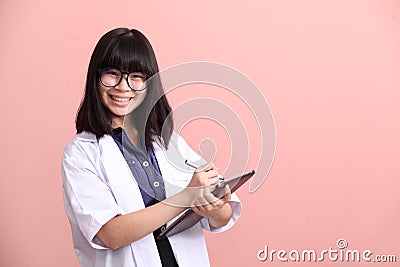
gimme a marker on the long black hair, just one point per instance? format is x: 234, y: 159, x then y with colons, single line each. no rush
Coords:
x: 131, y: 51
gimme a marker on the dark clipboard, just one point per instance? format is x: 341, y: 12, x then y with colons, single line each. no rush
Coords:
x: 190, y: 218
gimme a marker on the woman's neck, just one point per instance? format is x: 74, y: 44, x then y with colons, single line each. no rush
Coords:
x: 130, y: 129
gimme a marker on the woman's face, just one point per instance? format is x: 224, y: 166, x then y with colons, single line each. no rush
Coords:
x: 120, y: 100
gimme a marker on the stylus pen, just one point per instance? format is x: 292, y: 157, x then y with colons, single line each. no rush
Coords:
x: 195, y: 166
x: 191, y: 164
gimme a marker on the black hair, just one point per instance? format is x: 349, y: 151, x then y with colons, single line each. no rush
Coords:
x: 128, y: 50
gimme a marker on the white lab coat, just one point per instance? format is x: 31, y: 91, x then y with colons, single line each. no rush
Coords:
x: 98, y: 185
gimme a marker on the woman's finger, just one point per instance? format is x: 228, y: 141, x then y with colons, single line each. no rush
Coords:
x: 206, y: 167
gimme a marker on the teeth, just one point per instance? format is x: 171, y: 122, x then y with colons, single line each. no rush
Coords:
x: 121, y: 99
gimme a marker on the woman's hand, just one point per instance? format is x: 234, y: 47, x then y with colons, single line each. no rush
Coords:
x: 130, y: 227
x: 218, y: 211
x: 203, y: 178
x: 204, y: 203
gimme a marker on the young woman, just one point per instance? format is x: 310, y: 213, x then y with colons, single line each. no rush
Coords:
x: 124, y: 176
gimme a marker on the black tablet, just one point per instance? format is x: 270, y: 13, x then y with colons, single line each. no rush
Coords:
x: 190, y: 218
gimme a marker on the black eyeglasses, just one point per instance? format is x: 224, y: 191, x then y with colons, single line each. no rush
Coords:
x: 111, y: 77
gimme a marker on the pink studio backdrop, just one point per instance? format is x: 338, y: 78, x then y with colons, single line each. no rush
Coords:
x: 329, y: 70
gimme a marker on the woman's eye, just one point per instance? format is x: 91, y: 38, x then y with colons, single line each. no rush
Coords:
x: 112, y: 72
x: 138, y: 76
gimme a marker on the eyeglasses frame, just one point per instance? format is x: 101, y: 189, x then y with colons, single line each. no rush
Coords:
x: 122, y: 75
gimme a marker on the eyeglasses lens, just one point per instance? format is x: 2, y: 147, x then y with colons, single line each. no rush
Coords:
x: 112, y: 77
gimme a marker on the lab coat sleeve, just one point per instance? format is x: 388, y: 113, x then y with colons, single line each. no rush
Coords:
x: 236, y: 211
x: 89, y: 202
x: 234, y: 202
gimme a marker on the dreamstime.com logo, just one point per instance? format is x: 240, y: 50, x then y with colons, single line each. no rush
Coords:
x: 341, y: 253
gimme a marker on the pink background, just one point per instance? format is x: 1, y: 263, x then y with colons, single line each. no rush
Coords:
x: 329, y: 70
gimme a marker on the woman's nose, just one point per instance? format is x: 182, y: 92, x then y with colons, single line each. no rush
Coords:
x: 123, y: 85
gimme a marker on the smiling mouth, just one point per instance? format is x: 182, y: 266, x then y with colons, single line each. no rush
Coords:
x: 120, y: 99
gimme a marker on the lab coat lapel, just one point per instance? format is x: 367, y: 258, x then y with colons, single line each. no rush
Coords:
x: 127, y: 194
x: 175, y: 173
x: 122, y: 183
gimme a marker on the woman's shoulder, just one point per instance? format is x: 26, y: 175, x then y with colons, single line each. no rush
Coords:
x: 80, y: 142
x: 177, y: 141
x: 84, y: 137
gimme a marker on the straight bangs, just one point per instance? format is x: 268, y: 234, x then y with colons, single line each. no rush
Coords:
x: 128, y: 53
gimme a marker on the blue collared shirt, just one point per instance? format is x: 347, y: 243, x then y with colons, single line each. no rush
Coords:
x: 144, y: 167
